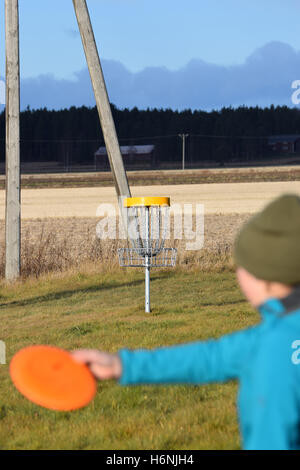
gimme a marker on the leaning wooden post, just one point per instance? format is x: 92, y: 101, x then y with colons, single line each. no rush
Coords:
x: 13, y: 202
x: 101, y: 96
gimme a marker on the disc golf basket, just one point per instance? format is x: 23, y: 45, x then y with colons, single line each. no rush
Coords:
x: 147, y: 225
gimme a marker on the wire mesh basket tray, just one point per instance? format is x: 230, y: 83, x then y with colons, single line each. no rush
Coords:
x: 136, y: 258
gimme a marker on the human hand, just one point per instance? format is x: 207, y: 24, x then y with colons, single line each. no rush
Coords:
x: 104, y: 366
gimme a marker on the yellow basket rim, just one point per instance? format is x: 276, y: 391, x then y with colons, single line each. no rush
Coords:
x: 146, y: 201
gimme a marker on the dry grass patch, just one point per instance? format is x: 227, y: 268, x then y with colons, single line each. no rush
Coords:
x: 58, y: 245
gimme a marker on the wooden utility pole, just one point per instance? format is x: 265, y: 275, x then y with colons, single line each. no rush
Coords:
x: 13, y: 203
x: 183, y: 137
x: 101, y: 96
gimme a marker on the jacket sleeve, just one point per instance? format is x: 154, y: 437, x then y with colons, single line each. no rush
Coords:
x: 193, y: 363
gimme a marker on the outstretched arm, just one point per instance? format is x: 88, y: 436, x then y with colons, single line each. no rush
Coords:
x: 198, y: 362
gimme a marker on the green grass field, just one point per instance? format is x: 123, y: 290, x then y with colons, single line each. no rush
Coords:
x: 106, y: 311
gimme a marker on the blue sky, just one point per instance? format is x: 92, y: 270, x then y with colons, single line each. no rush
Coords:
x: 161, y: 53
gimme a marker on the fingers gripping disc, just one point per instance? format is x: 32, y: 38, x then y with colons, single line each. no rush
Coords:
x: 50, y: 377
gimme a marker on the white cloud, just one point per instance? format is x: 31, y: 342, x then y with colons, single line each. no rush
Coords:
x: 263, y: 79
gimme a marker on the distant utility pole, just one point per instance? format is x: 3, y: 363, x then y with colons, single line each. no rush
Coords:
x: 101, y: 96
x: 183, y: 137
x: 13, y: 203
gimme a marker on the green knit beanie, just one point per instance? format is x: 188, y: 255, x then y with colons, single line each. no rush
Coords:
x: 268, y: 246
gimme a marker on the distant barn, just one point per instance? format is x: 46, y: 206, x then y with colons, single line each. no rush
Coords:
x: 284, y: 143
x: 135, y: 157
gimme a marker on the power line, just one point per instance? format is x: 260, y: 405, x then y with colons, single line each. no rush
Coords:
x: 123, y: 139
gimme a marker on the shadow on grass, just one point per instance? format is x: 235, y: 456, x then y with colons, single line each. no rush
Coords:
x: 69, y: 293
x: 223, y: 302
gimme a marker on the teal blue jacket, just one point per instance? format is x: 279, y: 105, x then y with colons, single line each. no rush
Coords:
x: 265, y: 359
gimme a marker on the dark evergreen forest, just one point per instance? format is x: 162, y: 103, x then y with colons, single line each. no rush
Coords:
x: 227, y: 135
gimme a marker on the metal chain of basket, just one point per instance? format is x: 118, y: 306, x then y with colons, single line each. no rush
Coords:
x: 147, y: 241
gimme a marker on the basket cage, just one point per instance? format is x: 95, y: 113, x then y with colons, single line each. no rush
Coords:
x: 148, y: 238
x: 148, y: 228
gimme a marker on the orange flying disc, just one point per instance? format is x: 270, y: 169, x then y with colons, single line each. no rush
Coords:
x: 50, y: 377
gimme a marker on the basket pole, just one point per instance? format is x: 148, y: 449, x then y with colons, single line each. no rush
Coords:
x: 147, y: 288
x: 147, y: 268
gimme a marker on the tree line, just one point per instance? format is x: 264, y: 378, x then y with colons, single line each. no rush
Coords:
x: 219, y: 134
